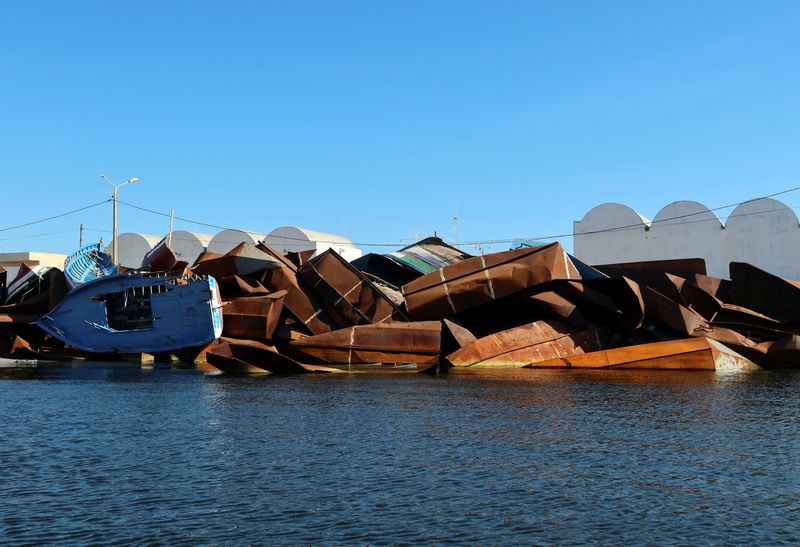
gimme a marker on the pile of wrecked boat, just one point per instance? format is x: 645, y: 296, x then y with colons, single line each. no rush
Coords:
x: 428, y: 307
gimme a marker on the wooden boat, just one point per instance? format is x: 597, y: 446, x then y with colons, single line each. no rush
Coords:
x: 687, y: 354
x: 248, y: 357
x: 87, y: 264
x: 395, y: 343
x: 138, y: 313
x: 526, y: 344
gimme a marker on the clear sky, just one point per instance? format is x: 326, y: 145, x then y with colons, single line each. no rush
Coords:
x: 384, y: 120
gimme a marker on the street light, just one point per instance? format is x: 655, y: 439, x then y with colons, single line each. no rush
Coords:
x: 114, y: 202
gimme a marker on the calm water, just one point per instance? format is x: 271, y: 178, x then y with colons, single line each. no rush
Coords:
x: 95, y: 455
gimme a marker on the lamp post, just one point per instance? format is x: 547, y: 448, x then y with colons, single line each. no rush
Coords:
x: 114, y: 202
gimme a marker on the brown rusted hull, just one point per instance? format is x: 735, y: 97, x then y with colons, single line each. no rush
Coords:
x: 254, y: 318
x: 687, y: 354
x: 160, y: 259
x: 347, y: 290
x: 244, y: 259
x: 384, y: 343
x: 248, y: 357
x: 531, y: 343
x: 764, y: 292
x: 479, y: 280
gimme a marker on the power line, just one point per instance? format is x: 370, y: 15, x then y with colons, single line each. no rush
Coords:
x: 38, y: 235
x: 511, y: 240
x: 53, y: 217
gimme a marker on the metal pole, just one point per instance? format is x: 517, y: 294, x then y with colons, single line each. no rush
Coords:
x: 114, y: 246
x: 81, y: 238
x: 171, y: 219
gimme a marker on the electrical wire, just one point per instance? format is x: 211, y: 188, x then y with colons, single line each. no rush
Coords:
x: 54, y: 216
x: 511, y: 240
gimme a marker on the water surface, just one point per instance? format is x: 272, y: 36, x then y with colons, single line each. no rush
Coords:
x: 105, y: 454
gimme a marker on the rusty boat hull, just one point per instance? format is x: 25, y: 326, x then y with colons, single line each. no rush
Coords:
x: 686, y: 354
x: 527, y: 344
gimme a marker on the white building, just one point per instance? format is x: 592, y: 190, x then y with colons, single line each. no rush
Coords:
x: 189, y: 245
x: 763, y: 232
x: 288, y: 239
x: 132, y: 246
x: 226, y: 240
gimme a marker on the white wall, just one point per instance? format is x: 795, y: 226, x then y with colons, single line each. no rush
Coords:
x: 132, y: 247
x: 293, y: 239
x: 763, y: 232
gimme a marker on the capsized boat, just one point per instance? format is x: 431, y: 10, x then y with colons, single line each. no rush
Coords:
x: 87, y: 264
x: 138, y: 313
x: 397, y: 343
x: 687, y: 354
x: 28, y: 282
x: 249, y: 357
x: 160, y: 258
x: 475, y: 281
x: 526, y: 344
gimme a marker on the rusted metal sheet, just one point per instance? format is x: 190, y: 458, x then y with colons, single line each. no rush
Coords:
x: 552, y: 304
x: 300, y: 301
x: 721, y: 314
x: 160, y: 258
x: 763, y: 292
x: 470, y: 283
x: 416, y: 342
x: 460, y: 335
x: 347, y: 290
x: 254, y: 318
x: 686, y: 354
x: 613, y: 303
x: 243, y: 260
x: 249, y: 357
x: 14, y: 346
x: 236, y: 287
x: 780, y: 350
x: 301, y: 257
x: 526, y: 344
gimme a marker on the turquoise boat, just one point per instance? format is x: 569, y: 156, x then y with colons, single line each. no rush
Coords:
x: 88, y: 264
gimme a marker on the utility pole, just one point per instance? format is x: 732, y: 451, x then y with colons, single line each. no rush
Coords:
x: 171, y: 220
x: 114, y: 256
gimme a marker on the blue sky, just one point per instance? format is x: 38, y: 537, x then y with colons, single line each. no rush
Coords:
x: 384, y: 120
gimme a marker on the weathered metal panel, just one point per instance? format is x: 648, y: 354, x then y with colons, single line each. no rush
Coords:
x: 254, y: 318
x: 687, y: 354
x: 528, y: 344
x: 347, y: 290
x: 416, y: 342
x: 479, y: 280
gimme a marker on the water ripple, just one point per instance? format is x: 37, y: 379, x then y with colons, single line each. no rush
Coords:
x: 104, y: 455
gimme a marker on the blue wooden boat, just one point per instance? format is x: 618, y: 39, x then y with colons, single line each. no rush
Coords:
x: 87, y: 264
x: 138, y: 312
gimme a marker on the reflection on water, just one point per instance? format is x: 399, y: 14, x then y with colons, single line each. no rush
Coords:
x: 112, y: 453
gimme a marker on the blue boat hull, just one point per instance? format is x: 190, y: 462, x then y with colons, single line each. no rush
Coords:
x: 138, y: 313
